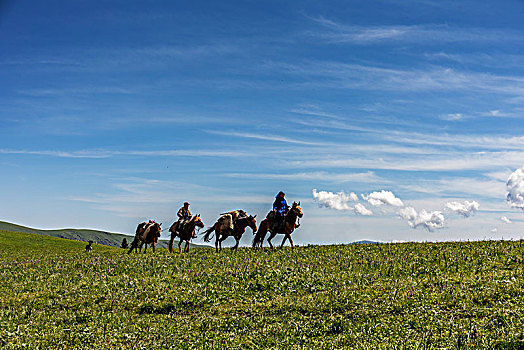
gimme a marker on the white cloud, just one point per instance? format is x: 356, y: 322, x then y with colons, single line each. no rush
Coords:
x: 430, y: 221
x: 362, y: 210
x: 337, y: 201
x: 465, y: 209
x: 383, y: 197
x: 339, y: 32
x: 505, y: 219
x: 249, y: 135
x: 515, y: 187
x: 100, y: 153
x: 452, y: 116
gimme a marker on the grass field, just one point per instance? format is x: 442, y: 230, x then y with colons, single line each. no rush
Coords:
x: 412, y: 295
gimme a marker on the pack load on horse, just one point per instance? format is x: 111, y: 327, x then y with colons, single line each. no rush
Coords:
x: 233, y: 223
x: 282, y: 219
x: 228, y: 220
x: 148, y: 233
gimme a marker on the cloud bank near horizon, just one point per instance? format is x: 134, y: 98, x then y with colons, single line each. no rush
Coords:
x: 430, y: 220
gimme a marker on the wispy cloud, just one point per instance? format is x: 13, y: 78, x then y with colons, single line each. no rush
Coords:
x: 255, y: 136
x: 340, y: 75
x: 443, y: 162
x: 96, y: 154
x: 337, y: 32
x: 505, y: 219
x: 366, y: 177
x: 316, y: 112
x: 452, y: 116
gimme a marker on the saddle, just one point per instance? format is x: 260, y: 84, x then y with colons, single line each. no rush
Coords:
x: 276, y: 222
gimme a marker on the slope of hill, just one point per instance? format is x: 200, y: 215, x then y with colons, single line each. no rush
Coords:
x: 20, y: 243
x: 99, y: 237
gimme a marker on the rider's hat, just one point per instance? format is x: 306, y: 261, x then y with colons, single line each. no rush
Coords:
x: 186, y: 203
x: 280, y: 193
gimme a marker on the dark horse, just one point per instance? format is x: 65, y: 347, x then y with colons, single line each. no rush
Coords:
x: 147, y: 233
x: 238, y: 230
x: 289, y: 226
x: 187, y: 233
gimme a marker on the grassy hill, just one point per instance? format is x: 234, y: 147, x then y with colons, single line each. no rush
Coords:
x: 407, y: 296
x: 99, y: 237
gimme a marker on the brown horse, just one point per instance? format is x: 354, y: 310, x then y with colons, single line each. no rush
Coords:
x: 188, y: 232
x: 238, y: 230
x: 289, y: 226
x: 147, y: 233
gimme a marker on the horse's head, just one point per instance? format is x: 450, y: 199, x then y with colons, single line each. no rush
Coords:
x: 157, y: 230
x: 297, y: 210
x: 252, y: 222
x: 198, y: 221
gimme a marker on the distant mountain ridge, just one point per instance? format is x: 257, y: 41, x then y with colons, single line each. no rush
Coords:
x: 98, y: 237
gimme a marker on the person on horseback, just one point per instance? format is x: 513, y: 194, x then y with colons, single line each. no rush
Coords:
x: 184, y: 215
x: 280, y: 209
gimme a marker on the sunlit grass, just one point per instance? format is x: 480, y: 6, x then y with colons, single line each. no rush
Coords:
x: 411, y: 295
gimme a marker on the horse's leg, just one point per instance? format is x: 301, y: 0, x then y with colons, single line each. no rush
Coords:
x: 217, y: 241
x: 291, y: 241
x: 171, y: 243
x: 283, y: 241
x: 180, y: 245
x: 186, y: 249
x: 153, y: 246
x: 271, y: 236
x: 262, y: 240
x: 145, y: 247
x: 223, y: 238
x: 133, y: 246
x: 236, y: 245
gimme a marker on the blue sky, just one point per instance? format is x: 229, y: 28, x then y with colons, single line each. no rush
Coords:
x: 118, y: 111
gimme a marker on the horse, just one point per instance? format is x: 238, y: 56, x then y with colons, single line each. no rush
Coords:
x: 289, y: 226
x: 187, y: 233
x: 147, y: 233
x: 238, y: 230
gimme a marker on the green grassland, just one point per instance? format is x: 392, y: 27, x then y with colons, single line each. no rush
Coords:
x: 53, y: 295
x: 99, y: 237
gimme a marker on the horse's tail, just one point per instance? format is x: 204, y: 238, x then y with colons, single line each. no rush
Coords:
x: 258, y: 240
x: 208, y: 233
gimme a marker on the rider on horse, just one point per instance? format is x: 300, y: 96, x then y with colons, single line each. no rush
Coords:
x: 280, y: 208
x: 184, y: 215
